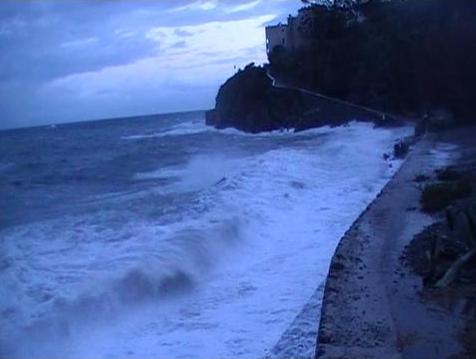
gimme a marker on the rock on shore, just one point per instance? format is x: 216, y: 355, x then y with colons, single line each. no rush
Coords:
x: 249, y: 102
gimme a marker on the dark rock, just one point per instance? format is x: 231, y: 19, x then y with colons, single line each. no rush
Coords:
x: 249, y: 102
x: 400, y: 149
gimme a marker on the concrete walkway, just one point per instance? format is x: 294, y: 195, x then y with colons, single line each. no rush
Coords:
x: 372, y: 307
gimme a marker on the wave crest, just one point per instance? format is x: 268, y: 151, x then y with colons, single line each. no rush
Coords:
x: 182, y: 262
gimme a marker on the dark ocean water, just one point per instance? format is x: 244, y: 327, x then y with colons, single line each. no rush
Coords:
x: 52, y: 169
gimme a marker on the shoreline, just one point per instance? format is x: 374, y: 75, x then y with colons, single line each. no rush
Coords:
x: 371, y: 306
x: 299, y: 339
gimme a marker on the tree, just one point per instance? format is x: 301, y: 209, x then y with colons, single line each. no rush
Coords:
x: 407, y: 57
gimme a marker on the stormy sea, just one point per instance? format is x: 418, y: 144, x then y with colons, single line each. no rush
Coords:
x: 161, y: 237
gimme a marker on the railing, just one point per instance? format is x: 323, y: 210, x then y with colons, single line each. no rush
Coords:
x: 380, y: 115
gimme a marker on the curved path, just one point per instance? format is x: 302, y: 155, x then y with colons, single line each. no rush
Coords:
x: 371, y: 306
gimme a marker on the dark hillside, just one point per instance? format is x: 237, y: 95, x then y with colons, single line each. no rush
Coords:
x: 409, y: 57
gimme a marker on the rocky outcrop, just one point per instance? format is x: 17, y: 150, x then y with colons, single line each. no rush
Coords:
x: 249, y: 102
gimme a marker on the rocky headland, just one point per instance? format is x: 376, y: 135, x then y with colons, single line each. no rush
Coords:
x: 362, y: 60
x: 251, y: 102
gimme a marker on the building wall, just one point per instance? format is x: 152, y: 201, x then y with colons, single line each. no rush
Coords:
x: 276, y: 35
x: 294, y: 34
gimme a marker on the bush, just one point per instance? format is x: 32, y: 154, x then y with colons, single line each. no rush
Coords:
x: 395, y: 56
x: 421, y: 178
x: 449, y: 174
x: 438, y: 196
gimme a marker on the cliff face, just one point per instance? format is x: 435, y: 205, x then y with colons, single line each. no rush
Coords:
x: 249, y: 102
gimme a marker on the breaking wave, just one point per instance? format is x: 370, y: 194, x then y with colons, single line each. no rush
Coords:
x: 181, y: 262
x: 181, y: 129
x: 238, y: 223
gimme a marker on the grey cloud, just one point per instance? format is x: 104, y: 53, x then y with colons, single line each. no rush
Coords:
x: 42, y: 40
x: 182, y: 33
x: 38, y: 61
x: 37, y: 51
x: 178, y: 45
x: 31, y: 33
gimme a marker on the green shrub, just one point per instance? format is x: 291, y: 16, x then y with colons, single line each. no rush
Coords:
x: 437, y: 196
x: 449, y: 174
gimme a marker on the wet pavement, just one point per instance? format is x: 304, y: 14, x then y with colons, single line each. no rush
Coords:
x: 373, y: 307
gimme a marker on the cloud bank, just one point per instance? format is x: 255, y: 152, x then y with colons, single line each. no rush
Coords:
x: 76, y: 60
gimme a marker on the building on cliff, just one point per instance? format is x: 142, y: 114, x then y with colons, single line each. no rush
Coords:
x: 295, y: 34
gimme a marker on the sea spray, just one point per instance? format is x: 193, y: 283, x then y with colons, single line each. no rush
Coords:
x: 180, y: 263
x: 200, y: 244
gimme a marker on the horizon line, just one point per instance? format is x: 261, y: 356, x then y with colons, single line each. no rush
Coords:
x: 99, y: 120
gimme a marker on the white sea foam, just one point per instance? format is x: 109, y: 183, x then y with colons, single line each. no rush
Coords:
x: 181, y: 129
x: 250, y: 254
x: 66, y: 276
x: 196, y: 127
x: 202, y: 172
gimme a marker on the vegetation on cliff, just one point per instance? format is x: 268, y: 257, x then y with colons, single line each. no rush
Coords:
x: 409, y: 57
x: 249, y: 101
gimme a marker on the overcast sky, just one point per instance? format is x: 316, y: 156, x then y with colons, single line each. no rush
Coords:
x: 73, y: 60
